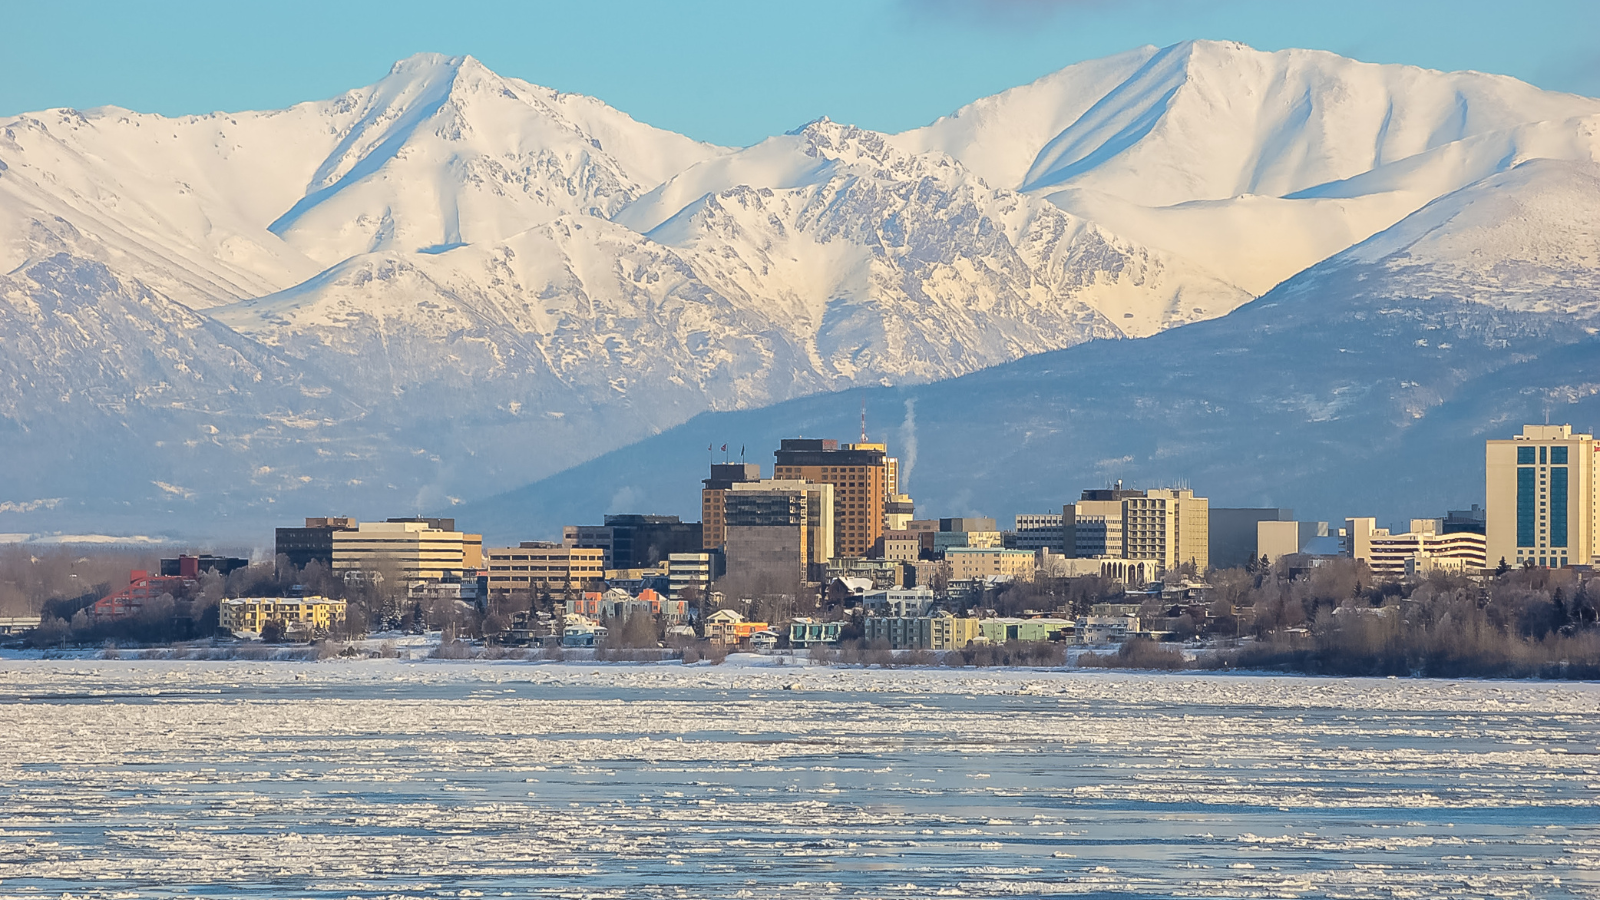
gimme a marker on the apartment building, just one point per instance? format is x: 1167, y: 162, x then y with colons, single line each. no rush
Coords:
x: 941, y: 631
x: 300, y: 614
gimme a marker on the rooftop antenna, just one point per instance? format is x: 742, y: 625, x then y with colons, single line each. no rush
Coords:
x: 864, y: 419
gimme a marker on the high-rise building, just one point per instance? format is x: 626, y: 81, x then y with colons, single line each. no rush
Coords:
x: 860, y: 477
x: 819, y: 499
x: 766, y: 542
x: 713, y: 524
x: 1169, y: 526
x: 1541, y: 493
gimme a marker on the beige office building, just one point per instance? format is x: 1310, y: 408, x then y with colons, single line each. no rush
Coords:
x: 969, y: 563
x: 406, y: 550
x: 535, y: 567
x: 902, y: 546
x: 1541, y: 489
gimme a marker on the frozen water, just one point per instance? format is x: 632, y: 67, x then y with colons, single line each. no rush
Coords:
x: 406, y: 779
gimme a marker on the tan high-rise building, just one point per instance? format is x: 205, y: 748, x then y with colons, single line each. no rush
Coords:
x: 1168, y: 526
x: 859, y: 475
x: 1542, y: 496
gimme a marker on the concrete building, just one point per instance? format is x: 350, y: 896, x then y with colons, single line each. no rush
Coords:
x: 1542, y: 496
x: 691, y: 570
x: 902, y: 546
x: 1276, y: 539
x: 313, y: 543
x: 184, y: 566
x: 713, y: 524
x: 766, y: 542
x: 860, y: 477
x: 1131, y: 572
x: 1038, y: 531
x: 305, y: 615
x: 898, y: 512
x: 1233, y: 533
x: 1421, y: 550
x: 973, y: 563
x: 406, y: 550
x: 900, y: 602
x: 471, y: 544
x: 535, y: 567
x: 819, y: 502
x: 1168, y: 525
x: 636, y: 541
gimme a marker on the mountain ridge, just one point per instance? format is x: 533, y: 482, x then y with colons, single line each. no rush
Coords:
x: 452, y: 281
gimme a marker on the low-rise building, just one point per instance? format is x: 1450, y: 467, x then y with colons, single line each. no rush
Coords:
x: 535, y: 567
x: 310, y: 615
x: 941, y: 631
x: 810, y: 632
x: 973, y: 563
x: 728, y: 628
x: 141, y: 590
x: 903, y: 602
x: 1396, y: 555
x: 1002, y: 630
x: 1106, y: 629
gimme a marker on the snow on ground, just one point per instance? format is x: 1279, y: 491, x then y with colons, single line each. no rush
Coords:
x: 424, y: 778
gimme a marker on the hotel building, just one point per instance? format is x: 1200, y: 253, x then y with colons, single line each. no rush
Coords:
x: 1541, y: 490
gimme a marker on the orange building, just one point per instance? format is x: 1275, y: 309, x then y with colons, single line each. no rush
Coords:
x: 860, y: 476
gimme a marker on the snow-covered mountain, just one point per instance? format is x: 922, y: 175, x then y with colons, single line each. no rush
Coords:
x: 1365, y: 385
x: 427, y: 291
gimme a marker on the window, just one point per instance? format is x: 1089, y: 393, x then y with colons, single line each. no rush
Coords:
x: 1525, y: 456
x: 1542, y: 454
x: 1526, y: 503
x: 1558, y: 456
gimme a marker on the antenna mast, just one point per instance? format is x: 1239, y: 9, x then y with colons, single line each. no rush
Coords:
x: 863, y: 420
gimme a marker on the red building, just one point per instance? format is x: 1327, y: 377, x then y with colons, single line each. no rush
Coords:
x: 142, y: 588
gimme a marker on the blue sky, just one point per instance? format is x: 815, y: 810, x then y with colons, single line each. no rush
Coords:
x: 730, y: 72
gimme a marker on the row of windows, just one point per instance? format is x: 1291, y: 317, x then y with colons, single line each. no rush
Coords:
x: 1556, y: 456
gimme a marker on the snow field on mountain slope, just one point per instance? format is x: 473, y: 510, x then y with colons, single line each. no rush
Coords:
x: 380, y: 778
